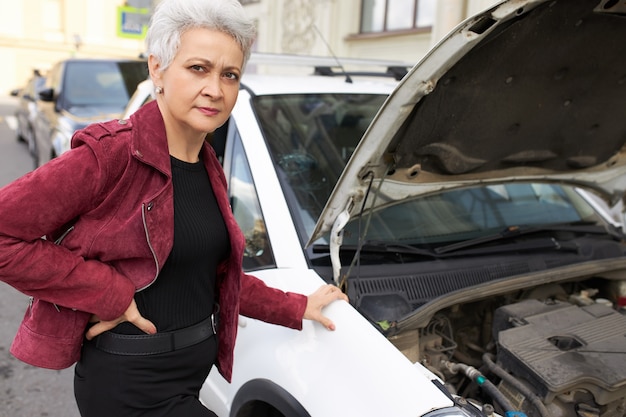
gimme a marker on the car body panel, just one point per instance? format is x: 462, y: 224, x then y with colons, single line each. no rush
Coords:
x: 314, y: 366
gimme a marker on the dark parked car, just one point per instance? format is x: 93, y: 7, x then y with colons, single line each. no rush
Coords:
x: 79, y: 92
x: 27, y: 109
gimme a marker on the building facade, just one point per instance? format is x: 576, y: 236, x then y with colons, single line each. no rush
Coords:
x: 34, y: 34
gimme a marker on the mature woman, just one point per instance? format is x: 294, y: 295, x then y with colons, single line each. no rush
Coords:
x: 141, y: 252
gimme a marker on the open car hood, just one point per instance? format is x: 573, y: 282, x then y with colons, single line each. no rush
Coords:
x: 527, y: 90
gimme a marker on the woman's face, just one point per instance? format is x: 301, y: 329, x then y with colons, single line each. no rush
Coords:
x: 201, y: 84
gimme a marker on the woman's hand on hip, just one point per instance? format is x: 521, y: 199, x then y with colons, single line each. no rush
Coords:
x: 131, y: 315
x: 324, y: 295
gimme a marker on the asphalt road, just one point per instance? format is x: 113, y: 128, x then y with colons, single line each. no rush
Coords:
x: 25, y: 391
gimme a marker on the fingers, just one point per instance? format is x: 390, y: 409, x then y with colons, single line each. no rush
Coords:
x: 328, y: 323
x: 333, y: 293
x: 322, y: 319
x: 99, y: 328
x: 323, y: 296
x: 339, y: 295
x: 142, y: 324
x: 131, y: 315
x: 145, y: 325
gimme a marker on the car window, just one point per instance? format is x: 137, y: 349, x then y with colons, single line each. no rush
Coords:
x: 247, y: 211
x: 95, y: 83
x: 310, y: 138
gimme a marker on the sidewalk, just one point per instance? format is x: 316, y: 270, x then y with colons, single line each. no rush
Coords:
x: 7, y: 99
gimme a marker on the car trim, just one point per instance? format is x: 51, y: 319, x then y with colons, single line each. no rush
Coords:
x: 268, y: 392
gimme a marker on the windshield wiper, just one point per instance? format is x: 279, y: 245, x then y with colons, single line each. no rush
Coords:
x: 380, y: 247
x: 373, y: 247
x: 515, y: 231
x: 461, y: 248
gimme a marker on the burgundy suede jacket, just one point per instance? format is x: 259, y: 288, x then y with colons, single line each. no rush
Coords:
x: 110, y: 200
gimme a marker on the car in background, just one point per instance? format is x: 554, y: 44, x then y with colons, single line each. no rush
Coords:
x: 26, y: 109
x: 79, y: 92
x: 454, y: 209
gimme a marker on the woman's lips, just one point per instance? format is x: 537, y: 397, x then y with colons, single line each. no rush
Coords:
x: 209, y: 111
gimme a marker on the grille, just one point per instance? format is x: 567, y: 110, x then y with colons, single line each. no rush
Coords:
x: 422, y: 287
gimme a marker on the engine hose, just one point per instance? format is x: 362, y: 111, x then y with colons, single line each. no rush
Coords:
x: 476, y: 376
x: 488, y: 360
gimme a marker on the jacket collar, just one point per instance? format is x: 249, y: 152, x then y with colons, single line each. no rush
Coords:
x: 149, y: 142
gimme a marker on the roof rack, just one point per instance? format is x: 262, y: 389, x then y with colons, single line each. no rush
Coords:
x: 331, y: 66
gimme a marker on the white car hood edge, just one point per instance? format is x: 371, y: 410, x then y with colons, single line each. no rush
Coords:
x: 498, y: 100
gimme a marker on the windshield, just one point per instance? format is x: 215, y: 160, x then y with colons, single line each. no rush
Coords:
x: 472, y: 213
x: 311, y: 138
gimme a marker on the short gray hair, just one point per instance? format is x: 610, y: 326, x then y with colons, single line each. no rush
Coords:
x: 172, y: 18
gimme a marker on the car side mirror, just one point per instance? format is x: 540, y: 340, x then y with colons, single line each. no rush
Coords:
x: 47, y: 94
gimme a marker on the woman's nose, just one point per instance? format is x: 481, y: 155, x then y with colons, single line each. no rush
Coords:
x: 212, y: 86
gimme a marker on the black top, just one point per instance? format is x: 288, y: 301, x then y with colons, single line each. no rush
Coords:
x: 184, y: 292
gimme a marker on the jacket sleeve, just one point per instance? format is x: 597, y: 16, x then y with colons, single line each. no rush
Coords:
x: 40, y: 203
x: 271, y: 304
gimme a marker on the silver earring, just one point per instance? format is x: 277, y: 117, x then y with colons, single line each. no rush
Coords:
x: 158, y: 90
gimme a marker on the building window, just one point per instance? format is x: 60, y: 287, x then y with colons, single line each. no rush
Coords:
x: 396, y: 15
x: 52, y: 20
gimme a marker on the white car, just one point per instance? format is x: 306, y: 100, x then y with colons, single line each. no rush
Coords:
x: 456, y: 215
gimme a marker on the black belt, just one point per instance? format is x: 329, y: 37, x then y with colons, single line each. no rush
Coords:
x: 152, y: 344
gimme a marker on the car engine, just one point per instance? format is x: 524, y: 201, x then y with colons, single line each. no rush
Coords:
x: 557, y: 350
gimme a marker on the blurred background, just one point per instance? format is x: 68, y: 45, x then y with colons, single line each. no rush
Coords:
x: 34, y: 34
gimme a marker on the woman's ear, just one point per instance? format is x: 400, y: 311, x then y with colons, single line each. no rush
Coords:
x: 154, y: 66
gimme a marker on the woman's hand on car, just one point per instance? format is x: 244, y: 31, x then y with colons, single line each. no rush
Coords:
x: 324, y: 295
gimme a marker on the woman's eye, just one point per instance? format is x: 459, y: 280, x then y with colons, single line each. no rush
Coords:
x: 197, y: 68
x: 231, y: 75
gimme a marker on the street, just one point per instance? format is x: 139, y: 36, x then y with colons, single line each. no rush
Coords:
x: 25, y: 391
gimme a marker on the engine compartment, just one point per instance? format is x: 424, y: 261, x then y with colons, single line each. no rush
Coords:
x: 560, y: 347
x: 555, y: 350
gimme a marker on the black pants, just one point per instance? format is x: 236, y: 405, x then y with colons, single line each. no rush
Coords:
x: 160, y: 385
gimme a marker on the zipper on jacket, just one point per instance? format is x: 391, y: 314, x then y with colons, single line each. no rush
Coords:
x: 60, y: 238
x: 31, y: 301
x: 156, y: 261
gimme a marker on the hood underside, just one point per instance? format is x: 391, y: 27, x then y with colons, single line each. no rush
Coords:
x: 528, y: 90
